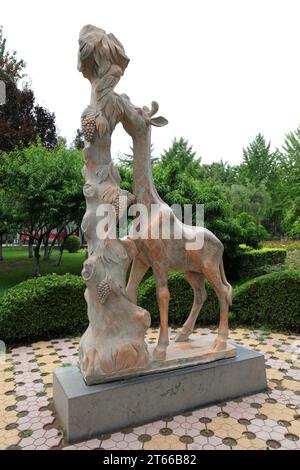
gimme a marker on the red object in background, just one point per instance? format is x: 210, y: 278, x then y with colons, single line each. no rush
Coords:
x: 52, y: 235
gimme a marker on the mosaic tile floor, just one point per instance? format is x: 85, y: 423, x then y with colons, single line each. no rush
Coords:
x: 266, y: 420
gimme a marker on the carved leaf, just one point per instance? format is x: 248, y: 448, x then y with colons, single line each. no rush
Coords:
x: 115, y: 173
x: 101, y: 125
x: 103, y: 173
x: 109, y: 109
x: 159, y: 121
x: 109, y: 195
x: 105, y: 48
x: 89, y: 111
x: 109, y: 256
x: 119, y: 106
x: 116, y: 288
x: 113, y: 252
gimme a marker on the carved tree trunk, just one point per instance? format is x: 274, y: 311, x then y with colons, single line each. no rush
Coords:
x: 113, y: 344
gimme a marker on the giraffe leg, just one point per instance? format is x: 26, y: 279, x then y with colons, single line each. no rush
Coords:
x: 212, y: 273
x: 197, y: 283
x: 163, y: 297
x: 138, y: 271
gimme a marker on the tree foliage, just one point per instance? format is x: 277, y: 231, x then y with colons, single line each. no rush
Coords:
x: 46, y: 187
x: 22, y: 121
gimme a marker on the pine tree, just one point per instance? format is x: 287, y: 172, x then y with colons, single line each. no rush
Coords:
x: 292, y: 144
x: 258, y: 160
x: 78, y: 142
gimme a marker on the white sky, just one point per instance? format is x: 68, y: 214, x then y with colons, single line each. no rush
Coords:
x: 221, y: 70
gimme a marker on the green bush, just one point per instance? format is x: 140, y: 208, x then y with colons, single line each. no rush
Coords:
x: 72, y: 244
x: 181, y: 300
x: 54, y: 306
x: 272, y: 300
x: 43, y: 308
x: 250, y: 263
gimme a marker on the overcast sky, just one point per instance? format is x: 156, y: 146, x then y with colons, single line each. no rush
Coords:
x: 221, y: 70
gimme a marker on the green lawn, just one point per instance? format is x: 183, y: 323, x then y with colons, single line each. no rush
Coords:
x: 17, y: 267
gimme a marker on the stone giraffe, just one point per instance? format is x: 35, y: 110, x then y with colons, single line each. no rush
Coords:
x: 114, y: 342
x: 165, y: 255
x: 114, y: 345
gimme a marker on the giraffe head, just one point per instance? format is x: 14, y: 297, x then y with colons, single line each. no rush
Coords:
x: 148, y: 114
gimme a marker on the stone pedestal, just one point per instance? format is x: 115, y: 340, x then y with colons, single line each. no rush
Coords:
x: 88, y: 411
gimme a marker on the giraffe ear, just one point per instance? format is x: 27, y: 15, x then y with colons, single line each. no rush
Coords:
x: 159, y: 121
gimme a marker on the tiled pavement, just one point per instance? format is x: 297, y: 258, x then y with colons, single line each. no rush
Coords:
x: 266, y: 420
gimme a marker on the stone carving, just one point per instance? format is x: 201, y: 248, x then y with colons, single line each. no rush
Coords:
x: 114, y: 341
x: 113, y: 345
x: 165, y: 255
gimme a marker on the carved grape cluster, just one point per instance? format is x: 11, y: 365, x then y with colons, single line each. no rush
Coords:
x: 103, y: 291
x: 88, y: 127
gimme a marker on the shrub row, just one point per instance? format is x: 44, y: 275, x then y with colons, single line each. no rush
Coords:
x: 269, y: 300
x: 54, y: 306
x: 44, y: 307
x: 181, y: 300
x: 250, y: 263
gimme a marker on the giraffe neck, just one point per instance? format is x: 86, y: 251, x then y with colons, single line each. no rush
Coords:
x: 143, y: 186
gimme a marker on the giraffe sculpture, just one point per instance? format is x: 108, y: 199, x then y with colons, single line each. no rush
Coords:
x: 165, y: 255
x: 114, y: 344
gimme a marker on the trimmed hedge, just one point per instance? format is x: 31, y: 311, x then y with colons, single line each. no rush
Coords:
x: 181, y: 300
x: 251, y: 263
x: 53, y: 306
x: 42, y: 308
x: 272, y: 300
x: 72, y: 244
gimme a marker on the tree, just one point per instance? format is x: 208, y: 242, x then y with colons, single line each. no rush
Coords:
x: 258, y: 161
x: 181, y: 179
x: 126, y: 160
x: 220, y: 172
x: 44, y: 127
x: 288, y: 186
x: 177, y: 174
x: 262, y: 168
x: 255, y: 200
x: 78, y: 142
x: 6, y: 218
x: 291, y: 148
x: 22, y: 121
x: 46, y: 187
x: 292, y: 144
x: 10, y: 67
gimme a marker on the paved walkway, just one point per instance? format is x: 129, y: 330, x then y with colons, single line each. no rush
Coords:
x: 265, y: 420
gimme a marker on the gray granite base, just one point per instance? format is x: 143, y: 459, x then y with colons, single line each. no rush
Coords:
x: 88, y: 411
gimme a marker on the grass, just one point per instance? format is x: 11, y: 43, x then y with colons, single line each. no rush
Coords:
x: 17, y: 267
x: 293, y: 259
x: 289, y: 245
